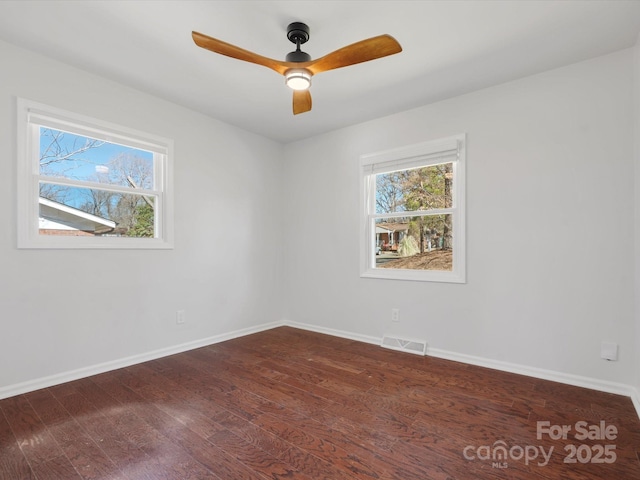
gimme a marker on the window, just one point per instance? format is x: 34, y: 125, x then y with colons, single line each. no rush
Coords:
x: 412, y: 212
x: 83, y: 183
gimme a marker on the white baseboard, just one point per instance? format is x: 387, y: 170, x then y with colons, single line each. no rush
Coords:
x: 576, y: 380
x: 333, y: 332
x: 635, y: 398
x: 57, y: 379
x: 566, y: 378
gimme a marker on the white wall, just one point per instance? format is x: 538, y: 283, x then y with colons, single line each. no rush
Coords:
x: 67, y: 310
x: 550, y: 223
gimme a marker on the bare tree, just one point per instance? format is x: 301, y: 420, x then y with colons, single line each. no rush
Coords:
x: 98, y: 202
x: 53, y: 156
x: 131, y: 171
x: 126, y: 169
x: 390, y: 192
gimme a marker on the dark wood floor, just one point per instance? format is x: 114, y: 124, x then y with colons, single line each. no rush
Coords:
x: 288, y: 403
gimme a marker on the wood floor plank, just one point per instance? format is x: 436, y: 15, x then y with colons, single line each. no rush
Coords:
x: 34, y: 438
x: 13, y: 463
x: 288, y: 403
x: 101, y: 423
x: 56, y: 469
x: 319, y: 440
x: 84, y: 454
x: 47, y: 407
x: 254, y: 457
x: 154, y: 432
x: 255, y: 435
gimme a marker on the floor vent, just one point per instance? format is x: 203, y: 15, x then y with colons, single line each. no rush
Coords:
x: 418, y: 347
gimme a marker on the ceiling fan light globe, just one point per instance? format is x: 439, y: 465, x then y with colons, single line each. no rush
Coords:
x: 298, y: 79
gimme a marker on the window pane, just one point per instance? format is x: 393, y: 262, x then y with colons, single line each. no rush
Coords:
x: 76, y: 157
x: 75, y: 211
x: 415, y: 243
x: 424, y: 188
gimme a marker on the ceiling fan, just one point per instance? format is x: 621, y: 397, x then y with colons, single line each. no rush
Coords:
x: 298, y: 68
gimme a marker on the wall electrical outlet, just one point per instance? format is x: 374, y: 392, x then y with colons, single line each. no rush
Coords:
x: 395, y: 314
x: 181, y: 317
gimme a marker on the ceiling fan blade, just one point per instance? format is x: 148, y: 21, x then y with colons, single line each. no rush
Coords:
x: 363, y: 51
x: 224, y: 48
x: 301, y: 101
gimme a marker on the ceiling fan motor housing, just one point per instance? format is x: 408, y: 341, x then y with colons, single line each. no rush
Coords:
x: 298, y: 33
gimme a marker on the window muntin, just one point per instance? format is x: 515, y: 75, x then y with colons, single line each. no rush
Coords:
x: 87, y: 184
x: 413, y: 212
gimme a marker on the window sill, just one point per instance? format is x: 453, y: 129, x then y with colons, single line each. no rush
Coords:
x: 116, y: 243
x: 414, y: 275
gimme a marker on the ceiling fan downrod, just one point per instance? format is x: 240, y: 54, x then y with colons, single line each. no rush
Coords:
x: 298, y: 33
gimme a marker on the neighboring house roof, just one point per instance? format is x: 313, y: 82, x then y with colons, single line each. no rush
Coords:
x: 391, y: 227
x: 57, y: 216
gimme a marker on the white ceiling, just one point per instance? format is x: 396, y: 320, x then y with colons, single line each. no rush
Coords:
x: 449, y: 48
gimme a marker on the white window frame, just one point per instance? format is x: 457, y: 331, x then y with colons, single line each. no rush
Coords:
x: 30, y: 117
x: 413, y: 156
